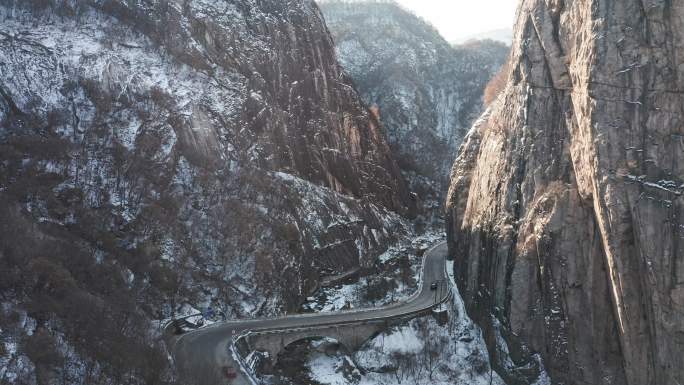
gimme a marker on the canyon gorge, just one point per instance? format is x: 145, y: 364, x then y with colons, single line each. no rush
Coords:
x: 241, y: 160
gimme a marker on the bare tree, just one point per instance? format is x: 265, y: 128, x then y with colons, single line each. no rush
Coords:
x: 430, y: 354
x: 401, y: 363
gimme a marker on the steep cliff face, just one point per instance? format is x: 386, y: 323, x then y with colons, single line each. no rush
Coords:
x: 428, y: 91
x: 157, y: 155
x: 566, y: 199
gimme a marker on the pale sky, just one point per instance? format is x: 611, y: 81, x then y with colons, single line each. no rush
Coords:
x: 458, y: 19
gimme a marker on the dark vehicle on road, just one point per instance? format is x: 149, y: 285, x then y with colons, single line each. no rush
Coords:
x: 433, y: 286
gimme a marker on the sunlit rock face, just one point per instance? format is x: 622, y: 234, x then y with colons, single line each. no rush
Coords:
x: 427, y: 91
x: 566, y: 199
x: 197, y: 152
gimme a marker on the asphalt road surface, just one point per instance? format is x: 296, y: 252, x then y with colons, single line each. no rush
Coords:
x: 202, y: 355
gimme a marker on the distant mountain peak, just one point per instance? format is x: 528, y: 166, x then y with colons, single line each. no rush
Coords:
x: 504, y: 35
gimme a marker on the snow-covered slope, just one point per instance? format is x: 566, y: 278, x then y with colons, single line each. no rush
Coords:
x: 157, y: 157
x: 428, y: 92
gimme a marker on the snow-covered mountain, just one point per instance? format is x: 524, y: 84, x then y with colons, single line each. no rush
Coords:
x: 160, y: 157
x: 427, y: 91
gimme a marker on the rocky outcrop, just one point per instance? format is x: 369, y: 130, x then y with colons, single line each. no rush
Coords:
x: 427, y: 91
x: 566, y: 199
x: 158, y: 155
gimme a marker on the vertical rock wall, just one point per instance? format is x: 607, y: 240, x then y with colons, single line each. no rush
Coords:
x: 566, y: 199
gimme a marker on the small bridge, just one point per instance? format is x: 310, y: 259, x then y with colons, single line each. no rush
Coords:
x: 350, y: 334
x: 272, y: 343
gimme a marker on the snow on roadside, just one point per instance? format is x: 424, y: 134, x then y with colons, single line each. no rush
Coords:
x: 459, y: 307
x: 363, y: 292
x: 418, y: 352
x: 328, y: 369
x: 421, y: 351
x: 403, y: 341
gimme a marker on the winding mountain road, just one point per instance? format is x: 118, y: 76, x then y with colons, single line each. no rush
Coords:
x: 202, y: 354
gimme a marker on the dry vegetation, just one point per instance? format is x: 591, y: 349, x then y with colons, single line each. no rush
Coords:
x: 497, y: 84
x: 49, y: 271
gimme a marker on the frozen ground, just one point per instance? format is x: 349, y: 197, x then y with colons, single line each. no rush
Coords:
x: 418, y: 352
x: 422, y: 351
